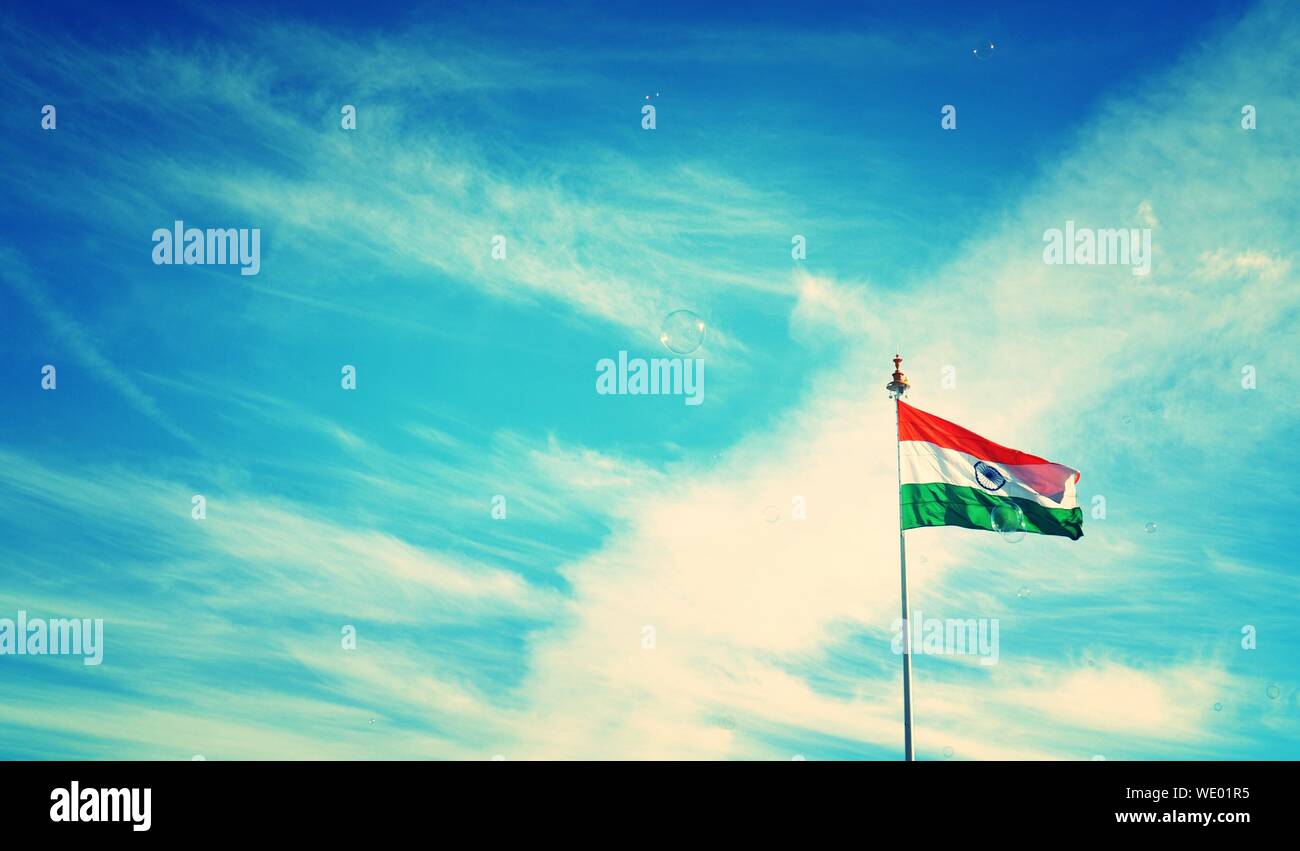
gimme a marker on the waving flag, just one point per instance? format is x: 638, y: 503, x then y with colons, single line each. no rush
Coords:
x: 950, y: 476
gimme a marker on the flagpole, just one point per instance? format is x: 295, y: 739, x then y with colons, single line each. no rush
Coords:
x: 897, y: 387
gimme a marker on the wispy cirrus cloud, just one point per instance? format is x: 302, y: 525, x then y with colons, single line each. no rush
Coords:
x: 81, y: 343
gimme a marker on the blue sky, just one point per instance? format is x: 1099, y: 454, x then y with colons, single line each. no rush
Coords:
x: 524, y: 636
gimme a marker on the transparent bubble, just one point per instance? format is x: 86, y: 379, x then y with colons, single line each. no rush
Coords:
x: 1273, y: 691
x: 771, y: 514
x: 1023, y: 592
x: 682, y: 332
x: 1127, y: 419
x: 372, y: 721
x: 198, y: 757
x: 984, y: 50
x: 948, y: 752
x: 1218, y: 707
x: 1150, y: 528
x: 498, y: 757
x: 727, y: 723
x: 1098, y: 758
x: 1008, y: 520
x: 798, y: 758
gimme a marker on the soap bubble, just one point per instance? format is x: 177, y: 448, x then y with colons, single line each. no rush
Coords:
x: 1273, y: 691
x: 948, y: 752
x: 1150, y: 528
x: 1098, y: 758
x: 198, y: 757
x: 798, y: 758
x: 1008, y: 520
x: 771, y: 514
x: 682, y: 332
x: 984, y: 50
x: 1023, y: 592
x: 1218, y: 707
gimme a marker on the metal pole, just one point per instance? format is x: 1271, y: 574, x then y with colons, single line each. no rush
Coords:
x: 897, y: 386
x: 908, y: 753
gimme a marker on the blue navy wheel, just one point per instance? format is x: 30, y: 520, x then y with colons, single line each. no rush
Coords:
x: 989, y: 477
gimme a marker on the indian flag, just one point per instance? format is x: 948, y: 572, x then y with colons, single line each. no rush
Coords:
x: 950, y: 476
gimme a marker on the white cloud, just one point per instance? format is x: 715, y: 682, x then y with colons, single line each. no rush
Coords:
x: 1222, y: 263
x: 81, y: 344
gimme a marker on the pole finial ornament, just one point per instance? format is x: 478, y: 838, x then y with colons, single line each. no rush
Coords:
x: 898, y: 384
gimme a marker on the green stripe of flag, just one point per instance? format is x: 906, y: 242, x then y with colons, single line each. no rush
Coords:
x: 939, y: 504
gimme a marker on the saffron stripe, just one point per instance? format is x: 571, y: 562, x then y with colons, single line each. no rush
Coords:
x: 915, y: 424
